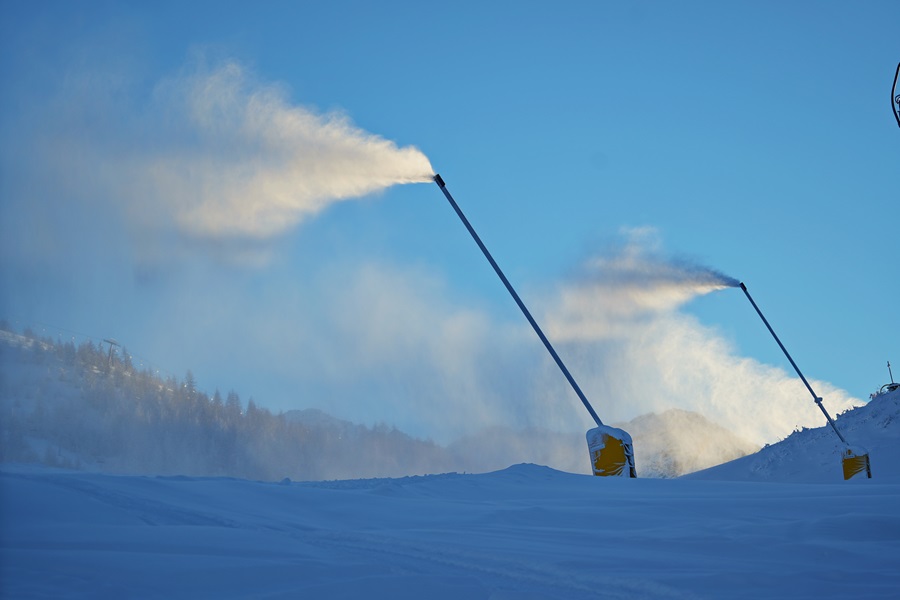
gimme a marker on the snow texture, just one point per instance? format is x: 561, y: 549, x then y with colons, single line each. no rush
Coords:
x: 777, y: 524
x: 524, y: 532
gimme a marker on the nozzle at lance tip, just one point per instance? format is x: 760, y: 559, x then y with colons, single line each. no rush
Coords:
x: 743, y: 287
x: 438, y: 180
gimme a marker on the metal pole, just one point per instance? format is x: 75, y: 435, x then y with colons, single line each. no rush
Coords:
x: 512, y: 292
x: 793, y: 364
x: 895, y: 98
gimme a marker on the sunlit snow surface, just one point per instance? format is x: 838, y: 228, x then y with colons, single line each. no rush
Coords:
x: 524, y: 532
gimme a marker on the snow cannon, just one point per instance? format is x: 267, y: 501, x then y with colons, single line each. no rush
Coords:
x: 612, y: 452
x: 889, y: 387
x: 854, y: 459
x: 611, y: 449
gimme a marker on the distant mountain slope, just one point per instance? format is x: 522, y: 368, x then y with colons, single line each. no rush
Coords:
x: 814, y: 455
x: 85, y: 408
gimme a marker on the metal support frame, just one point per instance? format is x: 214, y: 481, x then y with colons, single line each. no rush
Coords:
x: 817, y: 399
x: 438, y: 180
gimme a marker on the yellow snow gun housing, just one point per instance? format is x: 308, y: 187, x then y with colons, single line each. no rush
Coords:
x: 855, y: 460
x: 612, y: 452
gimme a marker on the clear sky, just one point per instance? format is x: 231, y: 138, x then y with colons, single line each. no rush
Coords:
x: 755, y: 138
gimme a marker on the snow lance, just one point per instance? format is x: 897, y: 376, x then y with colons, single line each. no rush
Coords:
x: 854, y: 459
x: 611, y: 449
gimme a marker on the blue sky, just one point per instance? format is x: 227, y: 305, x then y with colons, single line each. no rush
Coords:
x: 755, y: 138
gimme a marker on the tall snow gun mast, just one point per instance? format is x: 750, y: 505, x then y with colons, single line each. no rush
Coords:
x: 611, y: 449
x: 855, y: 459
x: 893, y: 385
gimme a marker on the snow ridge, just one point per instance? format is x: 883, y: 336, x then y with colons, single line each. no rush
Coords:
x: 814, y: 455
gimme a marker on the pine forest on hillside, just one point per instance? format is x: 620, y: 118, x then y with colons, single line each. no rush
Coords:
x: 85, y: 407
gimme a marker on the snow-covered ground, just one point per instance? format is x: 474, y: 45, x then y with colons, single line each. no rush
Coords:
x: 524, y: 532
x: 777, y: 524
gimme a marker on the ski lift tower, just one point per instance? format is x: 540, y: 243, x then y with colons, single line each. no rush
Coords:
x: 111, y: 343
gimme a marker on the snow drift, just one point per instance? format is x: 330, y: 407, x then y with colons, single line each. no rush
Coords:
x: 524, y: 532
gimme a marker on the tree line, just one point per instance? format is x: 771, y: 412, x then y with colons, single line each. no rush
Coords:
x: 88, y: 407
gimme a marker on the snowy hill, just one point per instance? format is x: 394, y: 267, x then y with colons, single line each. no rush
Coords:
x: 85, y: 408
x: 814, y: 455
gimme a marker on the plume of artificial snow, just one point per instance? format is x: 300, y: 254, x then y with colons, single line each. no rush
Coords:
x: 255, y: 165
x: 634, y: 281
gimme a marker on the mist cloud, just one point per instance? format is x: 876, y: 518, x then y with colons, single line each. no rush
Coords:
x: 619, y: 324
x: 627, y: 284
x: 394, y: 344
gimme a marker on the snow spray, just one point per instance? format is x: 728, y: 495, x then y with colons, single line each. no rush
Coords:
x: 612, y: 290
x: 255, y: 163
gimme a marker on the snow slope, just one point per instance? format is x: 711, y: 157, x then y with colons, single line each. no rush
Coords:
x: 524, y: 532
x: 814, y: 455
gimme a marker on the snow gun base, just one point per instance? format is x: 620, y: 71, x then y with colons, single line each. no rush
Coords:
x: 612, y: 452
x: 855, y: 460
